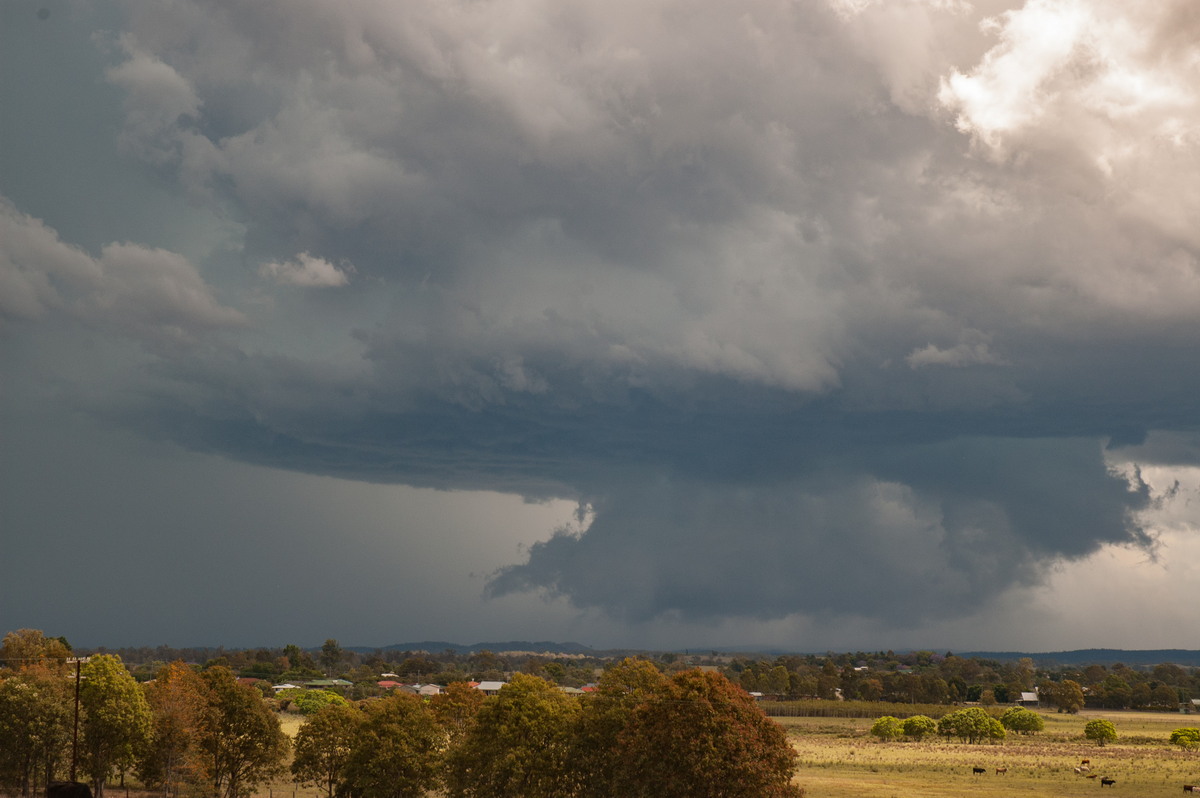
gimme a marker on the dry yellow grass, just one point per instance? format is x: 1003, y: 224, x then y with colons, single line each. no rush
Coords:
x: 839, y: 759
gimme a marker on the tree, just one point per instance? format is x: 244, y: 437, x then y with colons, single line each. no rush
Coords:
x: 1067, y: 695
x: 888, y: 728
x: 1022, y: 721
x: 518, y: 745
x: 1100, y: 730
x: 35, y: 727
x: 176, y: 699
x: 971, y: 725
x: 331, y: 656
x: 240, y: 739
x: 604, y: 714
x: 116, y: 725
x: 700, y: 736
x: 307, y: 702
x: 323, y: 746
x: 395, y: 751
x: 918, y: 727
x: 455, y: 709
x: 26, y: 647
x: 1187, y: 738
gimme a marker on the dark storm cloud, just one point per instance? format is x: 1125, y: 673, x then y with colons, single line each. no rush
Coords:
x: 812, y: 306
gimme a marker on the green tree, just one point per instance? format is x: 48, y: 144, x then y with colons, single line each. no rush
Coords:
x: 117, y: 724
x: 918, y: 727
x: 1100, y: 730
x: 1022, y: 721
x: 307, y: 702
x: 27, y: 647
x: 331, y: 656
x: 35, y: 727
x: 395, y: 751
x: 971, y: 725
x: 518, y: 745
x: 1187, y: 738
x: 176, y: 699
x: 1067, y: 695
x: 700, y: 736
x: 888, y: 728
x: 604, y: 715
x: 455, y: 709
x: 323, y: 746
x: 240, y: 740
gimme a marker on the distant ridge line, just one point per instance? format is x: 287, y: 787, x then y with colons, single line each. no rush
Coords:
x: 1097, y: 656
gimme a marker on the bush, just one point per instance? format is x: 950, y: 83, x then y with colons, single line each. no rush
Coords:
x: 1187, y: 738
x: 918, y: 727
x: 1022, y: 721
x: 972, y: 725
x: 888, y: 728
x: 1100, y: 730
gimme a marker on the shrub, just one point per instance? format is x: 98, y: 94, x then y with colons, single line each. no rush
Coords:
x: 918, y: 727
x: 1100, y: 730
x: 888, y: 728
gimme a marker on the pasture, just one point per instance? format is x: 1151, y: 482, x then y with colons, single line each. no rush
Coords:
x: 839, y: 759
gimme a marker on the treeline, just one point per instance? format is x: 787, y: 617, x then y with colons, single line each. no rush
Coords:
x: 196, y: 730
x: 924, y: 677
x: 918, y: 677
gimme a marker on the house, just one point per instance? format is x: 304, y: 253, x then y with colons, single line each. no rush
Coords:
x: 279, y: 688
x: 1028, y: 698
x: 429, y: 690
x: 326, y: 684
x: 490, y: 688
x: 388, y: 684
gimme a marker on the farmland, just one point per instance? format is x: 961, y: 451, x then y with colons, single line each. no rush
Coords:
x: 839, y: 759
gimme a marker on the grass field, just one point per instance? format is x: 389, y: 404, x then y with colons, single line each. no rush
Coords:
x: 839, y: 759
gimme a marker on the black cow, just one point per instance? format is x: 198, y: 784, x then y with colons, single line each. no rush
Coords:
x: 1191, y: 788
x: 977, y: 771
x: 1107, y: 782
x: 68, y: 789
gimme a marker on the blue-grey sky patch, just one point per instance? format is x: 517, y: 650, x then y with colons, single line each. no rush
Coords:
x: 825, y: 322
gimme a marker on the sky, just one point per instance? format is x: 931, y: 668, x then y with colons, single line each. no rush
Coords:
x: 809, y: 324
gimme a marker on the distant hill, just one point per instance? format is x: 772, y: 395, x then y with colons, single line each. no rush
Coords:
x: 1096, y: 656
x: 438, y: 646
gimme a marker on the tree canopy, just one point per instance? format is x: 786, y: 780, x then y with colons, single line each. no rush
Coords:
x: 700, y: 736
x: 1100, y: 730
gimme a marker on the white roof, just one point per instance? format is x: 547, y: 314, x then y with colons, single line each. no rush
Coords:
x: 490, y: 686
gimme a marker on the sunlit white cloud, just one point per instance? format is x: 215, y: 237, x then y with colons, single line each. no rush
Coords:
x: 305, y: 271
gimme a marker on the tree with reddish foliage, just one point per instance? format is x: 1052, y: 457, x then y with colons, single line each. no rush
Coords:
x: 701, y: 736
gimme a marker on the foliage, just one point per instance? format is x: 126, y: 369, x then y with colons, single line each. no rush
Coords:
x: 331, y: 656
x: 700, y: 736
x: 1067, y: 695
x: 28, y: 647
x: 603, y: 716
x: 1187, y: 738
x: 1022, y: 721
x: 518, y: 745
x: 307, y: 702
x: 323, y: 745
x: 176, y: 702
x: 395, y: 751
x: 117, y: 725
x: 888, y: 728
x: 918, y: 727
x: 971, y: 725
x: 455, y: 709
x: 1100, y: 730
x: 35, y: 726
x: 240, y: 740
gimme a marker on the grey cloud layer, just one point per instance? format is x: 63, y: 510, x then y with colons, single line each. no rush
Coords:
x: 856, y: 288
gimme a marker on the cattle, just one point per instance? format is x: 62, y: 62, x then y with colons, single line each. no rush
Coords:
x: 1085, y: 761
x: 68, y: 789
x: 1191, y: 788
x: 977, y: 771
x: 1107, y: 782
x: 1001, y: 771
